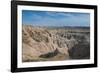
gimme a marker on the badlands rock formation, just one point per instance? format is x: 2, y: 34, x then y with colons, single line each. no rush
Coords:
x: 49, y: 44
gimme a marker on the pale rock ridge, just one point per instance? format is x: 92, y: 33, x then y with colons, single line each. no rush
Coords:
x: 39, y: 43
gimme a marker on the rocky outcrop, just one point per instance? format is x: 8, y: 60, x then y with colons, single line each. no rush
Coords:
x: 43, y: 44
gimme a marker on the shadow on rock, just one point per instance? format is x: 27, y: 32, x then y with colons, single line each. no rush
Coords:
x: 80, y: 51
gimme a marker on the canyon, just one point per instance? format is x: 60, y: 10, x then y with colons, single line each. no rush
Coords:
x: 55, y: 43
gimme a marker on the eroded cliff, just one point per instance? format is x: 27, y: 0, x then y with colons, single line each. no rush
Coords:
x: 46, y: 44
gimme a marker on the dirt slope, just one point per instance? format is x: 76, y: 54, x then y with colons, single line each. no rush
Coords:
x: 42, y: 44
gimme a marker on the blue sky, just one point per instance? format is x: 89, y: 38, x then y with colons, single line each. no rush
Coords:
x: 48, y: 18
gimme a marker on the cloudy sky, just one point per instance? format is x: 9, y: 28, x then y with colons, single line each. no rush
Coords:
x: 48, y: 18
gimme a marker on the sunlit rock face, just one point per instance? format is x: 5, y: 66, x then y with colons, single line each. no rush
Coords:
x: 51, y: 44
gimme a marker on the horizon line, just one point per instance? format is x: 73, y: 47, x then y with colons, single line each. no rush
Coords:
x: 53, y: 26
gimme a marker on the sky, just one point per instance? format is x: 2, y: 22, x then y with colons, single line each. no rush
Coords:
x: 49, y: 18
